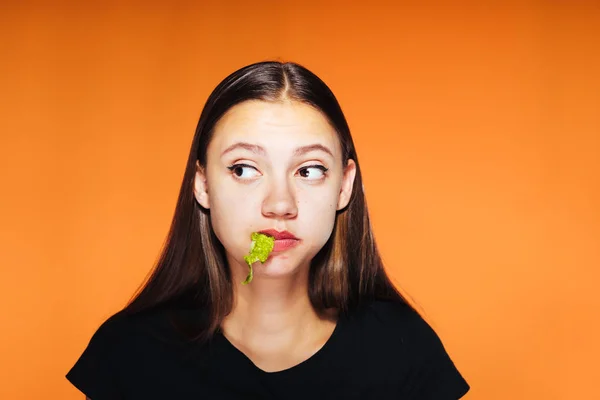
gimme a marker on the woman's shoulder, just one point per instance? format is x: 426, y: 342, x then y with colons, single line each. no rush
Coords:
x: 397, y: 326
x: 121, y: 328
x: 396, y: 339
x: 125, y: 333
x: 123, y: 323
x: 124, y: 345
x: 392, y: 316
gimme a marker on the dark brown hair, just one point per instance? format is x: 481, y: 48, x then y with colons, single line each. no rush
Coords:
x: 192, y: 269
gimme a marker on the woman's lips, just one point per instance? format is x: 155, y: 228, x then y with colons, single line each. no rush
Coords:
x: 284, y: 244
x: 278, y: 235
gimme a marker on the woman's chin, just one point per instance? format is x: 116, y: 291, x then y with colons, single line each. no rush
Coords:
x: 277, y: 266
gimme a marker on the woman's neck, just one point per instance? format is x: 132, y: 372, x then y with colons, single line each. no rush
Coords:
x: 272, y: 317
x: 270, y: 306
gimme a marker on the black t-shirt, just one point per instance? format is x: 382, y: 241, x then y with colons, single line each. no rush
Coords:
x: 382, y: 350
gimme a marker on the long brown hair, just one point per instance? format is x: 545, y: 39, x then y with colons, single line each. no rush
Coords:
x: 192, y: 271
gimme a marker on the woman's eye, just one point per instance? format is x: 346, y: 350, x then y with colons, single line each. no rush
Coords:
x: 243, y: 171
x: 313, y: 172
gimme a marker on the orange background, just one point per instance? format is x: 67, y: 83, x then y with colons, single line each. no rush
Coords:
x: 477, y: 126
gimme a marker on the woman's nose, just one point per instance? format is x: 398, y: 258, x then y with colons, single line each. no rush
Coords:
x: 280, y: 201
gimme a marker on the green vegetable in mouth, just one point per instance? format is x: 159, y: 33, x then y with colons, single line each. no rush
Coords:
x: 260, y: 248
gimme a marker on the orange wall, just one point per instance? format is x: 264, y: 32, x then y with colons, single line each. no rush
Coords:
x: 478, y: 129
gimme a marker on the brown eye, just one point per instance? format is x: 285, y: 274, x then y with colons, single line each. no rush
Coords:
x: 239, y: 171
x: 242, y: 171
x: 312, y: 172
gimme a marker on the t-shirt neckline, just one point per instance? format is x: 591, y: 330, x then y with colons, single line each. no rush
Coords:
x: 329, y: 343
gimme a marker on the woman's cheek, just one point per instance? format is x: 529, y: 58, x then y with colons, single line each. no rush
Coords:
x: 323, y: 220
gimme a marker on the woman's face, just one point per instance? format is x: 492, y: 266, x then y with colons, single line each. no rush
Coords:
x: 274, y: 165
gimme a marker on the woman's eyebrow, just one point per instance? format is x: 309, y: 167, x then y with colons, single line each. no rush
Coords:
x: 312, y: 147
x: 254, y: 148
x: 259, y: 150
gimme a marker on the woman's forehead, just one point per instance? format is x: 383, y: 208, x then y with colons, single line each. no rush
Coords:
x: 278, y: 125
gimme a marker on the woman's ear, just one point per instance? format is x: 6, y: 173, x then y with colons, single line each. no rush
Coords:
x: 201, y: 187
x: 347, y: 184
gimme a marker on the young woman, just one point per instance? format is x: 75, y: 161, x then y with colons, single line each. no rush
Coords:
x: 320, y: 318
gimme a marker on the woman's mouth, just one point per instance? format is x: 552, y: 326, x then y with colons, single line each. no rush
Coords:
x: 284, y: 244
x: 278, y: 235
x: 283, y: 240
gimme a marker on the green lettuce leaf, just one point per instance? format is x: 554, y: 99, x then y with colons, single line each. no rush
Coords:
x: 260, y: 248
